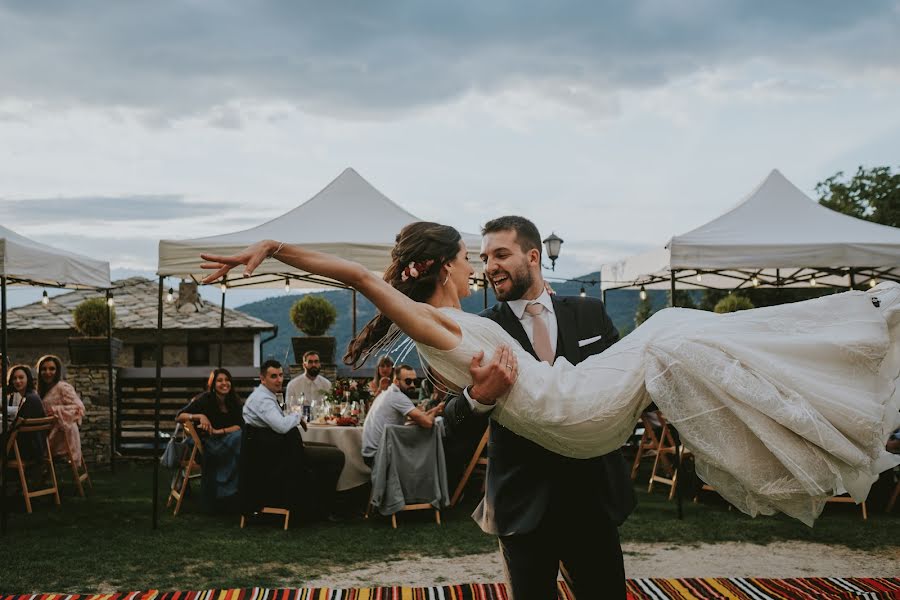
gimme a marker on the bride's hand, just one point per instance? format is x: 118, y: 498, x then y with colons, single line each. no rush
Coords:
x: 251, y: 257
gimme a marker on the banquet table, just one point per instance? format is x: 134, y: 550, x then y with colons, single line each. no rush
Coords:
x: 349, y: 440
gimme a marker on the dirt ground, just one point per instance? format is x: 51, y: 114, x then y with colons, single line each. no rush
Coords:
x: 732, y: 559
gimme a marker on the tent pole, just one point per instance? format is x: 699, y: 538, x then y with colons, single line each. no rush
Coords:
x: 675, y: 437
x: 109, y: 378
x: 222, y: 326
x: 353, y: 292
x: 159, y: 361
x: 852, y: 282
x: 4, y: 360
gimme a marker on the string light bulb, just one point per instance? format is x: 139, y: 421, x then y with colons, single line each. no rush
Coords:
x: 812, y: 282
x: 872, y: 282
x: 474, y: 286
x: 45, y: 299
x: 110, y: 302
x: 170, y: 296
x: 223, y: 287
x: 755, y: 281
x: 287, y: 285
x: 699, y: 277
x: 643, y: 293
x: 582, y: 293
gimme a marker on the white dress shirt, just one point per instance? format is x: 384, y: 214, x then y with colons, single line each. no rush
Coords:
x: 261, y: 410
x: 527, y: 321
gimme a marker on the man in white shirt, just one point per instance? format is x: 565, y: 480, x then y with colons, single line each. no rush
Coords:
x: 310, y: 384
x: 263, y: 415
x: 393, y: 406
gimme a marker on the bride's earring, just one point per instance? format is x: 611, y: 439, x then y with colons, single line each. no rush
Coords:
x: 446, y: 279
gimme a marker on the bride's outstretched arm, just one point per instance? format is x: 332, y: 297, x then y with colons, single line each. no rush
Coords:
x: 420, y: 321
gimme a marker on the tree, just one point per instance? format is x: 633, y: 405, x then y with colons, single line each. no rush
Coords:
x: 872, y: 194
x: 732, y: 303
x: 644, y: 311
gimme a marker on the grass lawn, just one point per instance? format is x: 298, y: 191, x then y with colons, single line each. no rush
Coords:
x: 105, y: 540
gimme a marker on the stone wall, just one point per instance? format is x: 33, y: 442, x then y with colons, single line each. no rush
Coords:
x: 91, y: 383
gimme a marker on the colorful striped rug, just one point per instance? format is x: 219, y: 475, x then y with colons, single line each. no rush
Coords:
x: 737, y: 588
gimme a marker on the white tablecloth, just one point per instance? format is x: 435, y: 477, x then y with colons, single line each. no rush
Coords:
x: 349, y: 440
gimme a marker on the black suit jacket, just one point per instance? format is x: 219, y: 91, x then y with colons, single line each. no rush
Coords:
x: 525, y: 480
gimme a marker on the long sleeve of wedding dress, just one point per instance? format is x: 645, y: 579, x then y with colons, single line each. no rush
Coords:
x: 782, y: 406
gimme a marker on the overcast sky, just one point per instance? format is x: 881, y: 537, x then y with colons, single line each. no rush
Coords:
x: 614, y: 124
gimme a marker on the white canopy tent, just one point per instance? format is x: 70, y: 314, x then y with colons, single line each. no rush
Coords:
x: 26, y: 262
x: 349, y: 218
x: 776, y: 236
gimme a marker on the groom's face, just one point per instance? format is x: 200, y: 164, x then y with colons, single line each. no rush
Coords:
x: 506, y: 265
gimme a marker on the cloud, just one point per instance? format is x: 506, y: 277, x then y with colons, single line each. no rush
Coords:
x: 384, y: 59
x: 99, y: 209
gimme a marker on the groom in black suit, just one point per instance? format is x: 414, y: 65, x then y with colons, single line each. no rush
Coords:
x: 550, y: 512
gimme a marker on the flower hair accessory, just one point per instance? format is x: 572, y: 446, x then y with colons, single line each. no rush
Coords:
x: 416, y: 269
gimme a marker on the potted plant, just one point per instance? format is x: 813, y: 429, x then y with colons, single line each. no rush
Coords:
x: 91, y: 321
x: 313, y: 315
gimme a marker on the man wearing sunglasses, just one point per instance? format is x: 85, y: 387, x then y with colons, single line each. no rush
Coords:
x: 393, y: 406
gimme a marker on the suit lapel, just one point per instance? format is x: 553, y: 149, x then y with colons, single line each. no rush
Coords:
x: 508, y: 320
x: 566, y: 330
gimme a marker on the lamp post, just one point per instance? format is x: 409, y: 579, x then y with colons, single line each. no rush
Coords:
x: 553, y: 243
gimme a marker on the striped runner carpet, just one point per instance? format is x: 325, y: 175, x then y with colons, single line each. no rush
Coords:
x: 737, y: 588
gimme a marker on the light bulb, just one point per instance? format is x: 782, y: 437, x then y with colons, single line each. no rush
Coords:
x: 812, y: 282
x: 582, y: 293
x: 223, y: 287
x: 45, y: 299
x: 287, y: 285
x: 171, y: 295
x: 474, y: 286
x: 643, y: 293
x: 755, y: 282
x: 872, y: 282
x: 110, y: 302
x: 699, y: 277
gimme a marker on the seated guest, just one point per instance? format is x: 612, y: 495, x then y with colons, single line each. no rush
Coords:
x: 311, y: 386
x: 61, y: 401
x: 217, y: 416
x: 393, y: 407
x: 384, y: 372
x: 277, y: 466
x: 25, y: 401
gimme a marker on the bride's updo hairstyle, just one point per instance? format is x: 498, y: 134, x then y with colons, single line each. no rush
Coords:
x: 420, y: 251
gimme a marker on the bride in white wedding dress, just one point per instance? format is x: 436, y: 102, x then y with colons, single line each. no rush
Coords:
x: 783, y: 407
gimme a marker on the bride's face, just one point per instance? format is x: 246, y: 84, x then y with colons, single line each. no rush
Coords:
x: 460, y: 270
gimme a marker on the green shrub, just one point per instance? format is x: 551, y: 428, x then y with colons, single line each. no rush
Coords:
x: 732, y: 303
x: 90, y: 317
x: 313, y: 315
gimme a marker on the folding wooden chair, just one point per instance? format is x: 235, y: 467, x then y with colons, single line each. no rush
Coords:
x: 479, y: 459
x: 269, y: 510
x: 189, y: 468
x: 648, y: 445
x: 893, y: 500
x: 79, y: 467
x: 846, y: 499
x: 662, y: 463
x: 43, y: 424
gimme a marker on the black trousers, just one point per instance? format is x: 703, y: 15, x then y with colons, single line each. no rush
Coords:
x: 585, y: 543
x: 326, y: 462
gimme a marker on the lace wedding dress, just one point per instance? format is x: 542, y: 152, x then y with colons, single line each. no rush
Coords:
x: 783, y: 406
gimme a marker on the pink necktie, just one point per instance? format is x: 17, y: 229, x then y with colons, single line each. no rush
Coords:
x: 540, y: 335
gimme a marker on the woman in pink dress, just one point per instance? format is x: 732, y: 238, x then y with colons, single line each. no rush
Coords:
x: 60, y: 400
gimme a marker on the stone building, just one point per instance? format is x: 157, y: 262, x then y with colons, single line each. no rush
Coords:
x: 191, y: 333
x: 191, y: 338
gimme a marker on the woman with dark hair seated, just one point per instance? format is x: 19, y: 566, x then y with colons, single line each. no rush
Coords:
x: 24, y: 400
x: 217, y: 416
x: 61, y: 401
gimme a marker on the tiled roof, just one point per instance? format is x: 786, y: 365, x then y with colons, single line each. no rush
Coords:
x: 136, y: 306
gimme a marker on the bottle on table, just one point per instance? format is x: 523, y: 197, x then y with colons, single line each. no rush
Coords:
x: 306, y: 407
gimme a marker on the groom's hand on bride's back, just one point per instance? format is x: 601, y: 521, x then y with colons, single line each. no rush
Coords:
x: 493, y: 379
